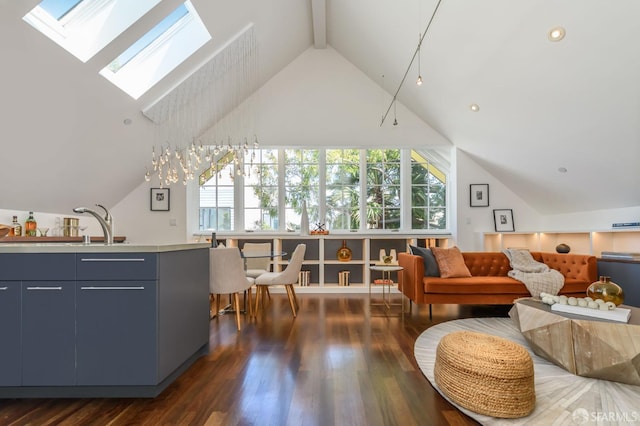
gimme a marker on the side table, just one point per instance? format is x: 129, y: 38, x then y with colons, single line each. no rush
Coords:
x: 386, y: 271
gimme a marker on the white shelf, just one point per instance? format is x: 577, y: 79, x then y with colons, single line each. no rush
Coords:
x: 320, y: 256
x: 580, y: 242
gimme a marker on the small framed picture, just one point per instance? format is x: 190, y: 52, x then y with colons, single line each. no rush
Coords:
x: 503, y: 220
x: 479, y: 195
x: 160, y: 199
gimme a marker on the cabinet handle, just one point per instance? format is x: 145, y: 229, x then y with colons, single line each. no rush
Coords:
x: 44, y: 288
x: 112, y: 288
x: 4, y: 288
x: 111, y: 260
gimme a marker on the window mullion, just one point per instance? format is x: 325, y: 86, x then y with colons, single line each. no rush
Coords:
x: 363, y: 189
x: 282, y: 207
x: 405, y: 189
x: 322, y: 185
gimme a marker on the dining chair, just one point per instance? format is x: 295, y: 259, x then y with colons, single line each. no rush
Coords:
x: 287, y: 278
x: 256, y: 266
x: 226, y: 276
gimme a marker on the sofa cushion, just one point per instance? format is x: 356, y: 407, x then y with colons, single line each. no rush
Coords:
x: 474, y: 285
x: 450, y: 262
x: 430, y: 264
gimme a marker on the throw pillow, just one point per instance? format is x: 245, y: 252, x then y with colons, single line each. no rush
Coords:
x: 430, y: 264
x: 450, y: 262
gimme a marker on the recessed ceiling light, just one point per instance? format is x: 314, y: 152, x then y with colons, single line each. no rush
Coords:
x: 556, y: 34
x: 474, y: 107
x: 562, y: 169
x: 126, y: 121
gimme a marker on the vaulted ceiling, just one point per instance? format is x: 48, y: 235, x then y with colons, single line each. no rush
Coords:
x: 543, y: 105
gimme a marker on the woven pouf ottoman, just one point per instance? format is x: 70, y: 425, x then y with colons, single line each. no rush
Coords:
x: 485, y: 374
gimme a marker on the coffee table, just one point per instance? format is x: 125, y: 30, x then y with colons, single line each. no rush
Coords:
x: 584, y: 346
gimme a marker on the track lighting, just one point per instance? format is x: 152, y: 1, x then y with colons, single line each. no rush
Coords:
x: 419, y: 81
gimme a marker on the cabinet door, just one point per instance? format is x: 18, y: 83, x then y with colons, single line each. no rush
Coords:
x: 48, y: 333
x: 10, y: 330
x: 116, y: 333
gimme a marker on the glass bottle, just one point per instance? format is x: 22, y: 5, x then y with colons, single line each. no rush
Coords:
x: 16, y: 227
x: 30, y: 226
x: 344, y: 252
x: 606, y: 290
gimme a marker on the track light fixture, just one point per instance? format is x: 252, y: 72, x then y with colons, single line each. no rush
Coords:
x: 416, y: 53
x: 419, y: 81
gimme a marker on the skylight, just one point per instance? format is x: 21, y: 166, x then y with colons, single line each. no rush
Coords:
x: 158, y: 52
x: 84, y: 27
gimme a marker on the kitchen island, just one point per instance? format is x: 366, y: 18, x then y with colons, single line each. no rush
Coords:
x: 100, y: 320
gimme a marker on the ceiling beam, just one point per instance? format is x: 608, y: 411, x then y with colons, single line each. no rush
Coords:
x: 319, y: 15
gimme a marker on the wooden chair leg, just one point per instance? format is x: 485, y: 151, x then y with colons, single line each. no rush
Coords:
x: 212, y: 314
x: 217, y: 303
x: 236, y: 303
x: 258, y: 294
x: 249, y: 302
x: 295, y: 297
x: 291, y: 296
x: 268, y: 294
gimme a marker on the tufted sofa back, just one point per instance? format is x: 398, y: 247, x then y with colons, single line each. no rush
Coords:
x: 496, y: 264
x: 572, y: 266
x: 486, y: 264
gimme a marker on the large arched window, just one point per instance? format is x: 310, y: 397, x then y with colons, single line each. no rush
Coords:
x: 344, y: 190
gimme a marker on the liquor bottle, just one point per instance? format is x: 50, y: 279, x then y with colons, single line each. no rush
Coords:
x: 30, y: 226
x: 16, y: 228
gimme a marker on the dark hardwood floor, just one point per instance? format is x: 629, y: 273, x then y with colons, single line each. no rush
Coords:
x: 338, y: 363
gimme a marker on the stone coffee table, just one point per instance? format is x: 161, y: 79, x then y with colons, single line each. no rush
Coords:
x: 584, y: 346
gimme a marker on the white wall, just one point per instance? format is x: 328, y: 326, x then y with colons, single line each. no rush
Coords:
x: 473, y: 221
x: 321, y: 99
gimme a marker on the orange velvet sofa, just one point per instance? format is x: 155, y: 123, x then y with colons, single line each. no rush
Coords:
x: 489, y: 283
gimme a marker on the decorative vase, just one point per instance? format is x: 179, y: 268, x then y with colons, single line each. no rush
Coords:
x: 344, y: 252
x: 383, y: 254
x: 304, y: 220
x: 606, y: 290
x: 563, y: 248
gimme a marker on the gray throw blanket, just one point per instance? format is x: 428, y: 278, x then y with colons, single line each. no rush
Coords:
x: 536, y: 276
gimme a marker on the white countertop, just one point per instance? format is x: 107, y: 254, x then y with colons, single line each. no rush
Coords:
x: 98, y: 248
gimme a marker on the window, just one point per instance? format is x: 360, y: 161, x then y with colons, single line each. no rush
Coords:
x: 301, y: 183
x: 261, y: 190
x: 383, y: 189
x: 84, y: 27
x: 342, y: 173
x: 158, y: 52
x: 274, y: 183
x: 428, y: 194
x: 217, y: 200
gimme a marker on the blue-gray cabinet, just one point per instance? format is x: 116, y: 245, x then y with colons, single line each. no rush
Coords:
x: 48, y: 333
x: 626, y: 274
x: 101, y: 324
x: 10, y: 333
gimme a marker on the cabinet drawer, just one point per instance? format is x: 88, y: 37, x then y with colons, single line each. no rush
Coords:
x: 38, y: 266
x: 116, y: 266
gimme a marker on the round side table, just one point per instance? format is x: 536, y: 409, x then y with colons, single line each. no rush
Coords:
x: 386, y: 271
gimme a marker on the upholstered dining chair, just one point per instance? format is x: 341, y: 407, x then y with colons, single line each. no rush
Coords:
x: 256, y: 266
x: 287, y: 278
x: 226, y: 276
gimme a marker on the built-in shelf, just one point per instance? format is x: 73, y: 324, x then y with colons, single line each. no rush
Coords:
x: 580, y: 242
x: 321, y: 256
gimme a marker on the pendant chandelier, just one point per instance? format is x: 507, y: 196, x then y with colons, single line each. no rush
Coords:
x: 208, y: 122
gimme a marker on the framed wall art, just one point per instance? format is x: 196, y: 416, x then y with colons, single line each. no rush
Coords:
x: 479, y: 195
x: 503, y: 220
x: 160, y: 199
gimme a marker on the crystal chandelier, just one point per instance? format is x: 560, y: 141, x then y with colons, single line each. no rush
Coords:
x: 207, y: 122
